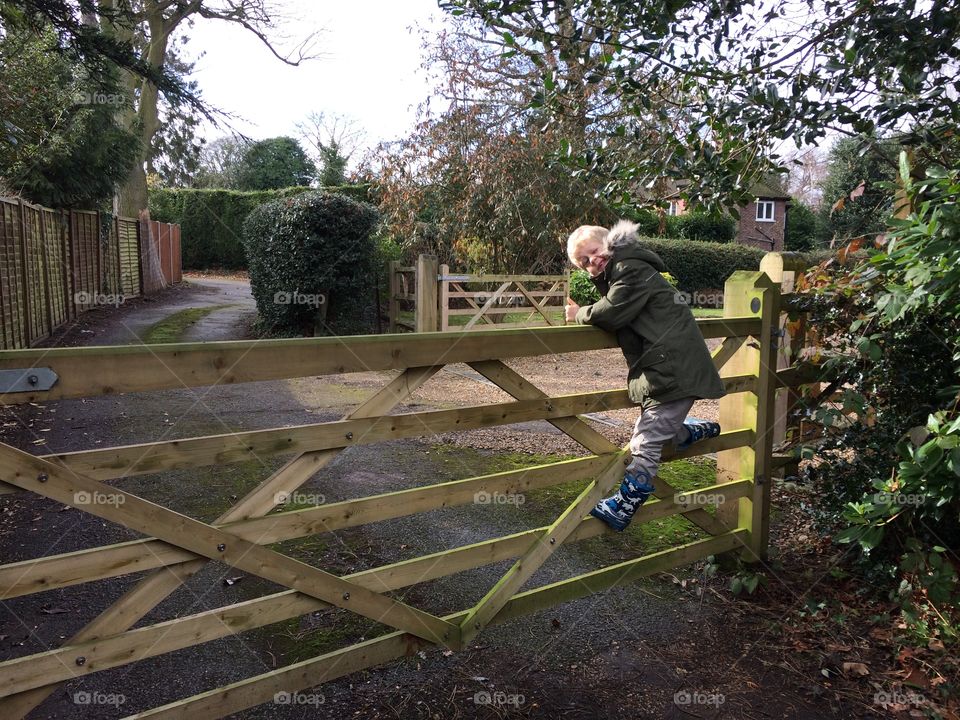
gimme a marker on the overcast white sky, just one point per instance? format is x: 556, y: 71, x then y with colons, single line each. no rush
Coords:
x: 369, y: 68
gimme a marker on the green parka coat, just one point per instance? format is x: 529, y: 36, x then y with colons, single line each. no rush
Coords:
x: 666, y: 356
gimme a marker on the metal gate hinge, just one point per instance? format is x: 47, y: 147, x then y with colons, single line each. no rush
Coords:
x: 27, y: 380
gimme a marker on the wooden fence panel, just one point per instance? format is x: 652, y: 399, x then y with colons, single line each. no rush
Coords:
x: 56, y: 276
x: 402, y: 297
x: 11, y: 288
x: 540, y: 297
x: 57, y: 263
x: 86, y: 243
x: 167, y: 238
x: 38, y: 326
x: 110, y: 257
x: 129, y: 250
x: 438, y: 296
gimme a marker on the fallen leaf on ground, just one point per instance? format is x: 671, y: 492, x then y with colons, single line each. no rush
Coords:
x: 855, y: 669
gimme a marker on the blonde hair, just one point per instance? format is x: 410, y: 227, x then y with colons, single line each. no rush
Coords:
x: 583, y: 234
x: 623, y: 233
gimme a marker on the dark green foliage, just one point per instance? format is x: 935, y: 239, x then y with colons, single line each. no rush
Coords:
x: 691, y: 226
x: 61, y: 144
x: 98, y: 50
x: 211, y: 222
x: 582, y: 289
x: 333, y: 165
x: 176, y: 149
x: 273, y: 164
x: 315, y: 244
x: 849, y: 210
x: 888, y: 331
x: 803, y: 228
x: 701, y: 226
x: 648, y: 223
x: 361, y: 192
x: 703, y: 265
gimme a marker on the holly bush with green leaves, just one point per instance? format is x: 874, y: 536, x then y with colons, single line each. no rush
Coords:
x: 888, y: 332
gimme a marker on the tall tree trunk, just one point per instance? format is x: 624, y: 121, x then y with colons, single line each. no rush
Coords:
x: 144, y: 120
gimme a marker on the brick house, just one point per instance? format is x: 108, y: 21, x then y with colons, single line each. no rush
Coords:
x: 762, y: 222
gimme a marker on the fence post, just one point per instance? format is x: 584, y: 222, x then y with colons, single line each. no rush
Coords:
x: 70, y: 309
x: 393, y: 305
x: 444, y: 297
x: 116, y: 232
x: 100, y: 274
x: 6, y: 332
x: 48, y: 296
x: 426, y: 313
x: 751, y: 294
x: 25, y: 264
x: 141, y: 223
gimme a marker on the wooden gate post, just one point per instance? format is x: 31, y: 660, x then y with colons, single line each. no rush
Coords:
x: 444, y: 284
x: 751, y: 294
x: 426, y: 312
x: 393, y: 305
x: 781, y: 268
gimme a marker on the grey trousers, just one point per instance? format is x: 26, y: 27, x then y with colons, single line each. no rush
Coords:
x: 656, y: 426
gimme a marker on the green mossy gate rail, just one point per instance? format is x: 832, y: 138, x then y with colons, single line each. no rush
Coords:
x: 175, y: 546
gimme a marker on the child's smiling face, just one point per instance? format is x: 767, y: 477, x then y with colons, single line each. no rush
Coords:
x: 591, y: 257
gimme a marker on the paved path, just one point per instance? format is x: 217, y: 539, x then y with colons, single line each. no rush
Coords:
x: 130, y: 324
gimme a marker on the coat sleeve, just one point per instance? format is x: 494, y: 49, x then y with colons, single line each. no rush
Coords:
x: 629, y: 291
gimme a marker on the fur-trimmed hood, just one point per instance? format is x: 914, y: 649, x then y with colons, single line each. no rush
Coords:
x: 624, y: 242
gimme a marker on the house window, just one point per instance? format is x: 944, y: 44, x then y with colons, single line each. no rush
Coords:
x: 674, y: 208
x: 765, y: 211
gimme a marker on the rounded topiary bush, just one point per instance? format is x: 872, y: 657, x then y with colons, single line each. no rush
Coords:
x: 311, y: 260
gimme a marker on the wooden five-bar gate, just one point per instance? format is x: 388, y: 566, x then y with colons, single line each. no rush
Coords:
x: 175, y: 547
x: 428, y: 296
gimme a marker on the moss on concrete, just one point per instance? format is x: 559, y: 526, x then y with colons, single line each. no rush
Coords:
x: 172, y: 328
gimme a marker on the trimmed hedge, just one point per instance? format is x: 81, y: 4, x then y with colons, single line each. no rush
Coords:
x: 691, y: 226
x: 313, y: 256
x: 211, y: 221
x: 698, y: 226
x: 703, y: 265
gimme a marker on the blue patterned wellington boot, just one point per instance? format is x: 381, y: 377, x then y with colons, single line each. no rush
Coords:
x: 699, y: 430
x: 617, y: 511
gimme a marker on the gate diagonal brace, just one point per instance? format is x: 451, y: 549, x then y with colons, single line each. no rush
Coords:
x: 542, y: 548
x: 48, y: 480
